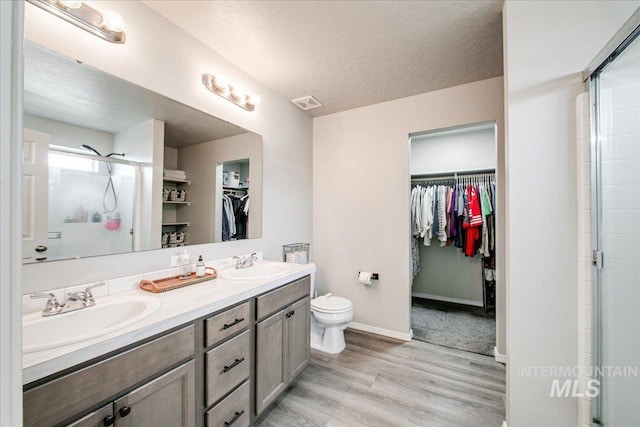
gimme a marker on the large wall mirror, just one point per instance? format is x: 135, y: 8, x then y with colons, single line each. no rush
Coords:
x: 110, y: 167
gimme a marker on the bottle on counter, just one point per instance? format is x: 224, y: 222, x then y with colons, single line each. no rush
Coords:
x: 200, y: 267
x: 185, y: 265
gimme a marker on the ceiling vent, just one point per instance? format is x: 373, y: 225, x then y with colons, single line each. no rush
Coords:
x: 307, y: 103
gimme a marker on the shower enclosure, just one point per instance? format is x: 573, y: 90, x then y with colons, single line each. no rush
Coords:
x: 91, y: 205
x: 615, y: 95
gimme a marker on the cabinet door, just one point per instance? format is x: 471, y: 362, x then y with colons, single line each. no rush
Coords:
x: 99, y: 418
x: 298, y: 330
x: 166, y: 401
x: 271, y: 373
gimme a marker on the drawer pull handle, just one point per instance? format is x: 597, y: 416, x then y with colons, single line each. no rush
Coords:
x: 228, y: 325
x: 108, y: 420
x: 124, y: 411
x: 233, y: 365
x: 234, y: 419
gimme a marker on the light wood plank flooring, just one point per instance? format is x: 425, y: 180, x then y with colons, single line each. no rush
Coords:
x: 377, y: 381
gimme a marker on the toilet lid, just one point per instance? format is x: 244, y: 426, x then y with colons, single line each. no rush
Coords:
x: 330, y: 304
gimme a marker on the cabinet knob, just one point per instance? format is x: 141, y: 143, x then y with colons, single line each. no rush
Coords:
x: 108, y: 420
x: 124, y: 411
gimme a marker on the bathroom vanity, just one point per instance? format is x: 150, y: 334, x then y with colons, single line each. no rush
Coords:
x: 232, y: 349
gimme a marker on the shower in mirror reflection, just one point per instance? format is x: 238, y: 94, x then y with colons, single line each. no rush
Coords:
x: 109, y: 181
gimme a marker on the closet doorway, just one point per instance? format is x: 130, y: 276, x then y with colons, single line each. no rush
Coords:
x: 453, y: 237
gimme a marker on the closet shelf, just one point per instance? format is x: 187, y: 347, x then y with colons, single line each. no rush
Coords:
x: 226, y: 187
x: 169, y: 202
x: 177, y: 180
x: 175, y: 224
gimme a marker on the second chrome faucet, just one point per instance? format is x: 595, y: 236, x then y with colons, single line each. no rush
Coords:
x: 245, y: 262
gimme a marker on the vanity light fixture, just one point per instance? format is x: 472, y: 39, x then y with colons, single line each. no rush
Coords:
x: 236, y: 94
x: 107, y: 25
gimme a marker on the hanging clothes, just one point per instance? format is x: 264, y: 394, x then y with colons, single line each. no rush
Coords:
x: 455, y: 214
x: 228, y: 218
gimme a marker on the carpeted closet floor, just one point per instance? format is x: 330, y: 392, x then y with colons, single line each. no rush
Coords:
x: 451, y: 325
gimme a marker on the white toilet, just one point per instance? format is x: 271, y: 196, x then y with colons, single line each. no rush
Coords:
x: 330, y: 315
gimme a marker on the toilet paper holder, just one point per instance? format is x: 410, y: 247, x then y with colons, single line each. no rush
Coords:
x: 374, y: 276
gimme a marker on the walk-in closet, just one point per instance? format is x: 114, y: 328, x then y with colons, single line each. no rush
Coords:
x: 453, y: 237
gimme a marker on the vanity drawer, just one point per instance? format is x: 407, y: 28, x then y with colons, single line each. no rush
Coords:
x: 227, y: 366
x: 227, y: 323
x: 55, y: 401
x: 233, y: 410
x: 273, y: 301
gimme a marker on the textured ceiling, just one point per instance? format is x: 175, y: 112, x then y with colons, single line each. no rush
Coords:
x: 349, y: 53
x: 59, y: 88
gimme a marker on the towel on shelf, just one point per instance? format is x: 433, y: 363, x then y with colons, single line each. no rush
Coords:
x: 171, y: 173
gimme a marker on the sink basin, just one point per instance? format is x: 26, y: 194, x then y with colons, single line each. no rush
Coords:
x: 260, y: 270
x: 43, y: 333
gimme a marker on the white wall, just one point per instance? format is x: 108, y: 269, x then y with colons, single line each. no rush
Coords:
x: 68, y: 135
x: 361, y: 193
x: 161, y: 57
x: 470, y: 148
x: 144, y: 143
x: 547, y: 45
x: 10, y: 218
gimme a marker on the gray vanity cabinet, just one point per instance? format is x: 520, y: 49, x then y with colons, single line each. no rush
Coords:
x: 282, y: 339
x: 97, y: 418
x: 298, y: 339
x: 271, y: 374
x: 165, y: 401
x: 153, y: 364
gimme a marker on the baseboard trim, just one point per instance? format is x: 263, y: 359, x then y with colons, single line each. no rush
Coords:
x: 448, y: 299
x: 500, y: 358
x: 381, y: 331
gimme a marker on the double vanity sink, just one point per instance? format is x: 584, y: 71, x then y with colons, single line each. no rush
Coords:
x: 113, y: 313
x: 215, y: 353
x: 54, y: 343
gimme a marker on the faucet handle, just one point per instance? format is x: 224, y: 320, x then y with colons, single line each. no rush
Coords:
x: 89, y: 295
x: 53, y: 304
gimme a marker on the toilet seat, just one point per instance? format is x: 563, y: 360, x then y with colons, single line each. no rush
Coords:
x: 330, y: 304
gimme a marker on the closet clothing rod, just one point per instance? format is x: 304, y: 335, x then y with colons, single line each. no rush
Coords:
x: 453, y: 174
x: 450, y: 178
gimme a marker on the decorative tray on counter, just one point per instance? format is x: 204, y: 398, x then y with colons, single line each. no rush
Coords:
x: 170, y: 283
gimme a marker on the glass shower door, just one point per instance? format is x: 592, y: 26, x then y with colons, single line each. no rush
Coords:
x: 617, y: 230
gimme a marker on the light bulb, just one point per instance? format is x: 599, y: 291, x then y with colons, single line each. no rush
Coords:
x: 69, y: 4
x: 112, y: 21
x: 254, y: 100
x: 239, y: 93
x: 221, y: 83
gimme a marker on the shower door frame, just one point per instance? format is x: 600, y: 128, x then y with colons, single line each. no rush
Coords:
x: 616, y: 46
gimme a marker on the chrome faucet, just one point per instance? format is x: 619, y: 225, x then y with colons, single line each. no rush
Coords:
x: 245, y: 262
x: 74, y: 301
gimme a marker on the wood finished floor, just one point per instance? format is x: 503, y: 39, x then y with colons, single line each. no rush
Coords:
x: 377, y: 381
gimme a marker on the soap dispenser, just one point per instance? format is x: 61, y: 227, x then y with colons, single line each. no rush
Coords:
x: 200, y: 267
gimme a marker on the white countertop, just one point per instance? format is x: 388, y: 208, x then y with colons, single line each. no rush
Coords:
x: 178, y: 306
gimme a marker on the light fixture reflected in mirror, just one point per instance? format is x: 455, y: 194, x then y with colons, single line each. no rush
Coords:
x: 236, y: 94
x: 107, y: 25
